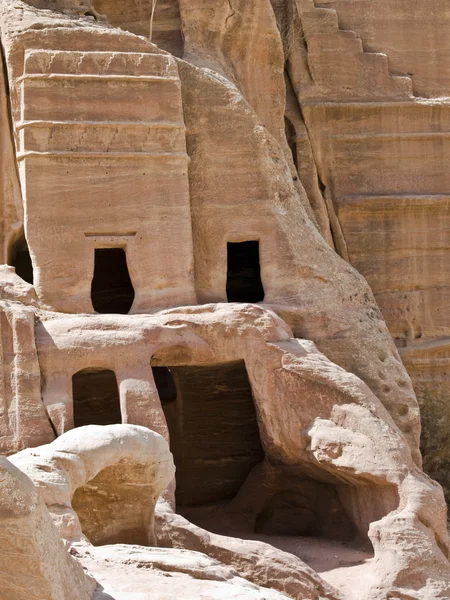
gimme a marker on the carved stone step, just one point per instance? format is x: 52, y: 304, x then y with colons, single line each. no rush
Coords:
x: 340, y: 41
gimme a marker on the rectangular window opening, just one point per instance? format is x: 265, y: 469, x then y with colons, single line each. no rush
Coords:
x: 244, y: 272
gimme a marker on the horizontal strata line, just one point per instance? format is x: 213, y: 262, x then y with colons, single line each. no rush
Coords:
x: 432, y: 347
x: 356, y: 198
x: 93, y: 77
x: 361, y: 258
x: 431, y: 364
x: 147, y: 124
x: 388, y: 103
x: 375, y: 205
x: 114, y: 235
x: 388, y: 136
x: 159, y: 155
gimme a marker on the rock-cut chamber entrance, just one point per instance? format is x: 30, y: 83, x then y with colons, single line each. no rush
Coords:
x: 111, y: 289
x: 214, y: 434
x: 95, y: 398
x: 223, y: 482
x: 244, y: 272
x: 20, y: 259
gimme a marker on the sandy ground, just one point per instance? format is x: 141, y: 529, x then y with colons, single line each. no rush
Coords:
x: 342, y: 566
x: 125, y: 572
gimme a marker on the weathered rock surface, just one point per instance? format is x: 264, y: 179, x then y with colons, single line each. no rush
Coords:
x: 101, y: 482
x: 33, y: 560
x: 372, y: 83
x: 240, y: 187
x: 13, y: 288
x: 137, y: 573
x: 413, y: 37
x: 232, y: 159
x: 23, y: 421
x: 100, y: 486
x: 316, y: 292
x: 348, y: 439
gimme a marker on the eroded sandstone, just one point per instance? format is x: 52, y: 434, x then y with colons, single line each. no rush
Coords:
x: 185, y: 185
x: 33, y: 560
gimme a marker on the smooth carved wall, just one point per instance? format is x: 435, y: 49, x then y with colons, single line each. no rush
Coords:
x: 105, y: 173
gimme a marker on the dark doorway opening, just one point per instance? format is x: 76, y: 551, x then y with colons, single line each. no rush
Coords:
x: 165, y: 385
x: 167, y: 391
x: 213, y: 428
x: 224, y: 483
x: 21, y: 260
x: 96, y: 398
x: 244, y: 272
x: 111, y: 289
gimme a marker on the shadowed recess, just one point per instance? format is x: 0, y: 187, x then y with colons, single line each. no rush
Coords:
x: 291, y: 137
x: 165, y: 384
x: 111, y: 289
x: 213, y: 429
x: 95, y: 398
x: 244, y: 272
x: 115, y: 507
x: 215, y: 441
x: 21, y: 260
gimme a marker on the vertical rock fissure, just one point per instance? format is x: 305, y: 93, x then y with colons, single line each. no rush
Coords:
x: 5, y: 235
x: 332, y: 226
x: 337, y: 233
x: 335, y: 228
x: 233, y: 12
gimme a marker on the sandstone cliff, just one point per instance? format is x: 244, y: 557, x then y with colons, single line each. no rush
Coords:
x: 225, y: 222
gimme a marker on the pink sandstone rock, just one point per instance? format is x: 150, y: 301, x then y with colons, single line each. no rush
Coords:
x: 104, y: 481
x: 33, y: 560
x: 186, y: 223
x: 100, y: 485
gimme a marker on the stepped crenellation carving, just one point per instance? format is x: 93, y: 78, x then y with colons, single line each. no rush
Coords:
x: 339, y: 65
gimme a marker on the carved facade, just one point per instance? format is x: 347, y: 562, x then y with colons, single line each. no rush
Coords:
x: 186, y: 226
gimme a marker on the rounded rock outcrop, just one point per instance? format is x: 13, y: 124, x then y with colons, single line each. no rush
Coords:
x: 102, y: 482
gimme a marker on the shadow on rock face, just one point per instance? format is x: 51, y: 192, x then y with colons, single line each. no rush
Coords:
x: 100, y: 594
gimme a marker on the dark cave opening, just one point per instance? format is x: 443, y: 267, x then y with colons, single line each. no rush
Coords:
x: 96, y: 398
x: 223, y: 481
x: 21, y: 260
x: 213, y: 428
x: 300, y: 505
x: 111, y: 290
x: 244, y: 272
x: 165, y: 385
